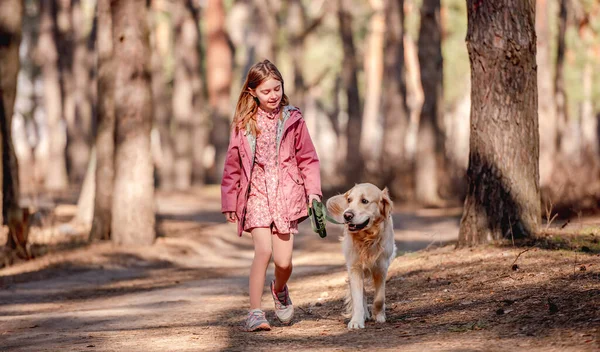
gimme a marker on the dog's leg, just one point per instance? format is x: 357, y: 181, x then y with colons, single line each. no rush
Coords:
x: 379, y: 275
x: 366, y: 308
x: 357, y: 288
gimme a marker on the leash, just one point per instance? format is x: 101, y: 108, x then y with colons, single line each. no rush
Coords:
x: 318, y: 216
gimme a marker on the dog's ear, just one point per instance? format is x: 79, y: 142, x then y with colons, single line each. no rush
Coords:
x: 336, y: 206
x: 385, y: 204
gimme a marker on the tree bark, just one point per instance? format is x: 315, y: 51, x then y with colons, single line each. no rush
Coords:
x: 11, y: 20
x: 187, y: 96
x: 589, y: 124
x: 161, y: 98
x: 85, y: 203
x: 560, y: 96
x: 265, y: 16
x: 80, y: 143
x: 547, y: 110
x: 200, y: 120
x: 372, y: 130
x: 219, y: 58
x: 105, y: 143
x: 47, y: 57
x: 353, y: 165
x: 296, y: 26
x: 395, y: 110
x: 430, y: 159
x: 503, y: 197
x: 133, y: 216
x: 67, y: 36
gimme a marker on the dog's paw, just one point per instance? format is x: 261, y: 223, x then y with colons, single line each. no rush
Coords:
x: 380, y: 318
x: 356, y: 324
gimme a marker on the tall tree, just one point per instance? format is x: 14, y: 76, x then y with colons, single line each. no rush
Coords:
x: 430, y: 156
x: 265, y: 17
x: 133, y: 216
x: 105, y: 143
x: 71, y: 43
x: 394, y: 98
x: 80, y: 143
x: 219, y: 60
x: 188, y: 98
x: 353, y: 170
x: 371, y: 137
x: 47, y: 57
x: 296, y: 22
x: 560, y: 96
x: 161, y: 93
x: 589, y: 122
x: 11, y: 19
x: 503, y: 197
x: 547, y: 109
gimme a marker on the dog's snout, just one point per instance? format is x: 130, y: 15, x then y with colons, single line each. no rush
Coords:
x: 348, y: 216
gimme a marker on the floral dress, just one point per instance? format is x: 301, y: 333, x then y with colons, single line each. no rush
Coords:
x: 265, y: 199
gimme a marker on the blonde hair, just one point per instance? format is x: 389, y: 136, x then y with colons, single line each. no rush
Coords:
x: 247, y: 105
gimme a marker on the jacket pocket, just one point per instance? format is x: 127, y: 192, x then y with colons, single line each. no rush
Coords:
x: 295, y: 194
x: 295, y: 175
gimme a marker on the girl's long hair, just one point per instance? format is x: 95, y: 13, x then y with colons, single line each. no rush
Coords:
x: 247, y: 105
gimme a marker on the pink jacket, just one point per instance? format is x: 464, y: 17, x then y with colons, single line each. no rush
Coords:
x: 299, y: 172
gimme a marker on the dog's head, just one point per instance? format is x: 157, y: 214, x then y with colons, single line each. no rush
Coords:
x: 361, y: 207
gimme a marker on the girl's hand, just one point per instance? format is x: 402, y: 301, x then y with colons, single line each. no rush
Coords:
x: 311, y: 197
x: 230, y: 216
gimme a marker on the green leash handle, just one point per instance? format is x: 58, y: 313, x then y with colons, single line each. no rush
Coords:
x: 318, y: 216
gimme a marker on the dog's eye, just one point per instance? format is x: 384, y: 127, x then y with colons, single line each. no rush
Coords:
x: 349, y: 200
x: 364, y: 201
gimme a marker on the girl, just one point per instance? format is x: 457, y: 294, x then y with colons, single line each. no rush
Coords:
x: 271, y: 171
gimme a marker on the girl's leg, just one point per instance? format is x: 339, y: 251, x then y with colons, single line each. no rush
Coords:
x: 262, y: 255
x: 282, y: 257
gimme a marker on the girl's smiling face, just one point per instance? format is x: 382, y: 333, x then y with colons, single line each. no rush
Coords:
x: 269, y: 94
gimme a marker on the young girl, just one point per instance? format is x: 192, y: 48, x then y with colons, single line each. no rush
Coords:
x: 271, y: 172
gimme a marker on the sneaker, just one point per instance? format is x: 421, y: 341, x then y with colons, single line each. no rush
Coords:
x: 284, y: 310
x: 256, y: 321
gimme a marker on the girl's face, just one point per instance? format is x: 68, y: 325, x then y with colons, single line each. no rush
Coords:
x: 269, y: 94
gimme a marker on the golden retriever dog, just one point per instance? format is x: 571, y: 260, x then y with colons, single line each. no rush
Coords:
x: 368, y: 244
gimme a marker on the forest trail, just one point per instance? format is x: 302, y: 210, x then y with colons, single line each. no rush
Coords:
x: 188, y: 292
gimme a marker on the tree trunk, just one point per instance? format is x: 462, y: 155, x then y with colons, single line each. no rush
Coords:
x: 430, y: 160
x: 47, y: 57
x: 200, y: 116
x: 133, y: 216
x: 187, y: 95
x: 161, y: 98
x: 414, y: 95
x: 219, y: 60
x: 296, y: 26
x: 560, y: 96
x: 372, y: 131
x: 265, y: 15
x: 11, y: 19
x: 547, y: 110
x: 85, y: 203
x: 66, y: 39
x: 105, y: 143
x: 353, y: 165
x: 589, y: 124
x: 503, y: 197
x: 80, y: 142
x: 395, y: 111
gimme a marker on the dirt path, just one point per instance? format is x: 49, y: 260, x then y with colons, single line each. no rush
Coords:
x: 188, y: 292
